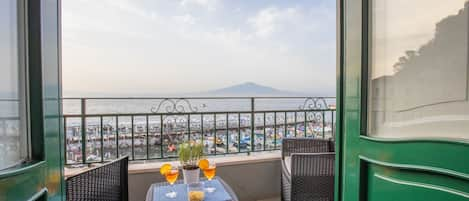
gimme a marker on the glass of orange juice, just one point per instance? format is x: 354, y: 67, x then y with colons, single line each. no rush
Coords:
x: 171, y: 177
x: 209, y: 173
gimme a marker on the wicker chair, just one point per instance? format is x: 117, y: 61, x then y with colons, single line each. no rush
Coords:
x: 103, y: 183
x: 307, y: 169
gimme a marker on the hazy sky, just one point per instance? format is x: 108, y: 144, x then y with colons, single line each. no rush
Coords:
x: 178, y: 46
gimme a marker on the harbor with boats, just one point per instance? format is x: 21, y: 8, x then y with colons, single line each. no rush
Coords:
x: 156, y: 134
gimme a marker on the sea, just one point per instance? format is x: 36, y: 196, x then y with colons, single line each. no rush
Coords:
x: 174, y: 106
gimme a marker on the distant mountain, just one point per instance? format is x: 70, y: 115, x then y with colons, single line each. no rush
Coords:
x: 250, y: 89
x: 240, y: 90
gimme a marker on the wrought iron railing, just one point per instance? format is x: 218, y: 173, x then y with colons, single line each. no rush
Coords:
x: 102, y: 129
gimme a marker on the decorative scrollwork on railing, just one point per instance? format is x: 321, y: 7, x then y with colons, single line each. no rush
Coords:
x: 178, y: 105
x: 315, y: 117
x: 314, y: 104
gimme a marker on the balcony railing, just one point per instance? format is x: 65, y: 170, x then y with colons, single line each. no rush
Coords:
x: 102, y: 129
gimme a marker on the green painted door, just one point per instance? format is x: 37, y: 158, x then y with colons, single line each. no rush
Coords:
x: 404, y: 100
x: 30, y: 144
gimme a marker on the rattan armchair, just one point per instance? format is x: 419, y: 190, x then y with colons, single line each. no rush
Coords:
x: 104, y: 183
x: 307, y: 169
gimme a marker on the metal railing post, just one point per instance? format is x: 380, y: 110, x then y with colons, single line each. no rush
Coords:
x: 332, y: 124
x: 65, y: 140
x: 239, y: 132
x: 202, y: 132
x: 323, y: 124
x: 275, y: 130
x: 117, y: 136
x: 227, y: 133
x: 102, y: 136
x: 285, y: 126
x: 148, y: 138
x: 189, y: 127
x: 132, y: 134
x: 215, y: 133
x: 305, y: 130
x: 296, y: 124
x: 252, y: 123
x: 161, y: 137
x: 265, y: 133
x: 83, y: 130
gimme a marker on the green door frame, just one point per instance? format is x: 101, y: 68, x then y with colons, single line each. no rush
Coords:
x: 339, y: 101
x: 370, y: 168
x: 41, y: 177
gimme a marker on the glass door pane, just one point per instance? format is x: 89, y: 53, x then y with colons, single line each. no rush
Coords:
x: 418, y: 69
x: 13, y: 133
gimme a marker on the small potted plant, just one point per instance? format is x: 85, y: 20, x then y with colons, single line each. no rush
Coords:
x: 189, y: 155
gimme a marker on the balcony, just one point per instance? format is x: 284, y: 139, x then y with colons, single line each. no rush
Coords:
x: 243, y: 134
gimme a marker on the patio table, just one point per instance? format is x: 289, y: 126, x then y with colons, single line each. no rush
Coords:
x: 225, y: 186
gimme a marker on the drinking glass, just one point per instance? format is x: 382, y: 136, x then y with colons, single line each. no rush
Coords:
x: 195, y: 192
x: 209, y: 173
x: 171, y: 177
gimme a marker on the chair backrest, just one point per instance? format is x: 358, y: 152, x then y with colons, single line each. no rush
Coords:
x: 304, y: 145
x: 104, y: 183
x: 331, y: 145
x: 316, y: 171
